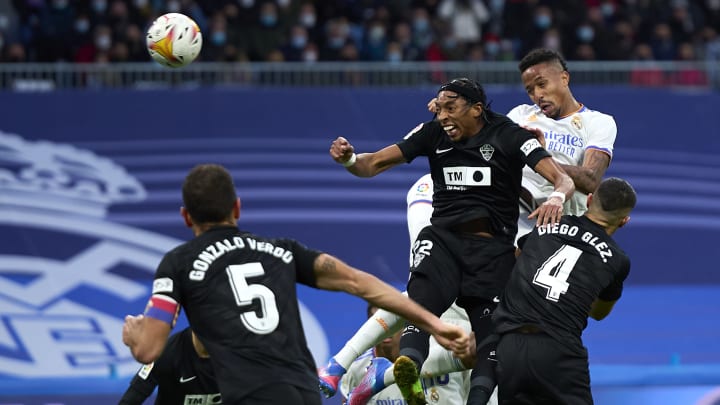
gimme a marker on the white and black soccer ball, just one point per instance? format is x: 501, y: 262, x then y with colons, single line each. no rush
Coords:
x: 174, y: 40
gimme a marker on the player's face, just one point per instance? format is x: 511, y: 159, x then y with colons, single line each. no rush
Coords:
x: 547, y: 86
x: 458, y: 118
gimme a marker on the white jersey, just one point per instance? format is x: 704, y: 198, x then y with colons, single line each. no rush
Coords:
x: 447, y: 389
x: 419, y: 205
x: 567, y: 139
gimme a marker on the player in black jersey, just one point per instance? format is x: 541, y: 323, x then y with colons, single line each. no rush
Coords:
x: 565, y: 272
x: 182, y: 374
x: 476, y: 158
x: 238, y: 291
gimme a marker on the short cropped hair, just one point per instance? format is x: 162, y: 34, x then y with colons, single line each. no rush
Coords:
x: 209, y: 193
x: 615, y: 194
x: 541, y: 55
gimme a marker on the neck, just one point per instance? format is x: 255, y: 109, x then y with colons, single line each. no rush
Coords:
x: 199, y: 348
x: 609, y: 229
x: 570, y: 108
x: 199, y: 229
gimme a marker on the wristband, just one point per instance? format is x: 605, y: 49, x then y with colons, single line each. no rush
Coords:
x: 557, y: 194
x: 351, y: 161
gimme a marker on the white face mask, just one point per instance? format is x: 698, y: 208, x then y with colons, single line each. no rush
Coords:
x: 310, y: 56
x: 307, y: 20
x: 552, y: 42
x: 82, y: 26
x: 173, y: 6
x: 99, y: 6
x: 103, y: 42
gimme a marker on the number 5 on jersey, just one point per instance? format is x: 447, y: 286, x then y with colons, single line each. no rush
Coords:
x: 269, y: 318
x: 553, y: 274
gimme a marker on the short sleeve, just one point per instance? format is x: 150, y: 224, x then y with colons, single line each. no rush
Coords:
x: 304, y: 262
x: 614, y: 290
x: 418, y: 141
x: 166, y: 282
x: 602, y: 132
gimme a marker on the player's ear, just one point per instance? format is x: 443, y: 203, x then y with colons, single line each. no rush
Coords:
x: 589, y: 201
x: 236, y: 208
x: 565, y: 76
x: 186, y: 217
x: 478, y: 110
x: 624, y: 221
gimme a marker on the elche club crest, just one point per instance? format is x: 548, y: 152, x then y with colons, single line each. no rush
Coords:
x: 487, y: 151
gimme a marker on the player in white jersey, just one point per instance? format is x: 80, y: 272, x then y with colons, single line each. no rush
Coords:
x: 369, y: 379
x: 370, y: 367
x: 580, y: 139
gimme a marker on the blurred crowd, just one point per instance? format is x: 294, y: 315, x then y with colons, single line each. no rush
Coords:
x: 82, y: 31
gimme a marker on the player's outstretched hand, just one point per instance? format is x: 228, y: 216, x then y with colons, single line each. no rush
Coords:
x: 453, y: 338
x: 538, y: 134
x: 341, y: 150
x: 548, y: 212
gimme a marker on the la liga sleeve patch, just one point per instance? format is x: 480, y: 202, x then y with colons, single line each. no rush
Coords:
x: 529, y: 146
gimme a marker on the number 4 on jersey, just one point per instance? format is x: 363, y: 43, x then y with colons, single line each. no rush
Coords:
x: 553, y: 274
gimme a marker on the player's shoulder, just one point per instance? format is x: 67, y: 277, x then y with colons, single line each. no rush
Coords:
x: 522, y: 110
x: 427, y: 126
x: 598, y: 117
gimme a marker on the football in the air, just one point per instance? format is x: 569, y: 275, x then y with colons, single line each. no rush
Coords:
x: 174, y: 40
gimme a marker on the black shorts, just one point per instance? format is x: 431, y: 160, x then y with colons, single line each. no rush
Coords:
x: 538, y: 369
x: 281, y: 394
x: 462, y: 266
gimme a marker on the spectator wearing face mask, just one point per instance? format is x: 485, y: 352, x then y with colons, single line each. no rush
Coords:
x: 295, y: 43
x: 267, y: 34
x: 375, y: 41
x: 100, y: 44
x: 307, y: 17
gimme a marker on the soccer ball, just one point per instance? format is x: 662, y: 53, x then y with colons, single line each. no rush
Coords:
x: 174, y: 40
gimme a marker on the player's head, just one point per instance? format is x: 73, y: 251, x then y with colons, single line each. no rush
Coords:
x: 612, y: 202
x: 546, y: 79
x: 388, y: 347
x: 460, y: 106
x: 209, y: 195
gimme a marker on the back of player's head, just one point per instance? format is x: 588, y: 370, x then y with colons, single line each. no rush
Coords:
x: 472, y: 91
x: 541, y: 55
x: 615, y: 197
x: 209, y: 193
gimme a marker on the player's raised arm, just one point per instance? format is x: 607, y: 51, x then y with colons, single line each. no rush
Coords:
x: 587, y: 176
x: 365, y: 164
x: 551, y: 210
